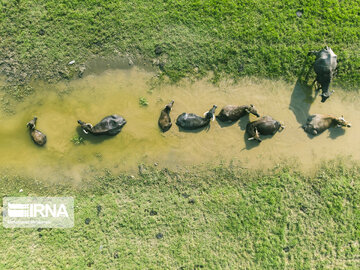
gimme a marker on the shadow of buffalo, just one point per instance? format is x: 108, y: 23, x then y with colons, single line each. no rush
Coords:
x: 301, y: 100
x: 224, y: 124
x: 94, y: 139
x: 253, y: 143
x: 206, y: 128
x: 334, y: 132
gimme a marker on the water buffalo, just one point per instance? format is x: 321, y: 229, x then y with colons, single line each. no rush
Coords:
x: 324, y: 66
x: 164, y: 119
x: 265, y: 125
x: 110, y: 125
x: 318, y: 123
x: 193, y: 121
x: 234, y: 113
x: 38, y: 137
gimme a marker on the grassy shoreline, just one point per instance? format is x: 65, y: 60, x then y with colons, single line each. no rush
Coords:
x: 181, y: 38
x: 219, y: 217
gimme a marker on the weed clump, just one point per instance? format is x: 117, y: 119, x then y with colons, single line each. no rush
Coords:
x: 143, y: 102
x: 77, y: 140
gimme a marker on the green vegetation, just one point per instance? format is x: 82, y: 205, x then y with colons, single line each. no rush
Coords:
x: 222, y: 217
x: 143, y: 102
x: 77, y: 140
x: 183, y: 38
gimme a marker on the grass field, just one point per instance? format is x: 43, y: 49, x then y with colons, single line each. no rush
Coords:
x: 184, y: 38
x: 213, y: 218
x: 221, y: 217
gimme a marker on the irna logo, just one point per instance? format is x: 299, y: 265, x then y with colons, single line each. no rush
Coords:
x: 38, y: 212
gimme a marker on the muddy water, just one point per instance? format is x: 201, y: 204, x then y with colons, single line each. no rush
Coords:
x: 58, y: 107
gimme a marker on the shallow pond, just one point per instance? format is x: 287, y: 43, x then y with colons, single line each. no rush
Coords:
x: 117, y: 91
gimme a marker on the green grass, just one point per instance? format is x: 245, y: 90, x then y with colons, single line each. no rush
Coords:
x: 77, y: 140
x: 186, y: 38
x: 143, y: 102
x: 213, y: 218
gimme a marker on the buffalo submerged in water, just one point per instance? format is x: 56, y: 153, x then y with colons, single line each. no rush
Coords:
x: 110, y: 125
x: 164, y: 121
x: 38, y: 137
x: 190, y: 121
x: 234, y: 113
x: 318, y: 123
x: 265, y: 125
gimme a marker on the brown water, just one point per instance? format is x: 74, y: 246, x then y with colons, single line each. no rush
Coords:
x: 58, y: 107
